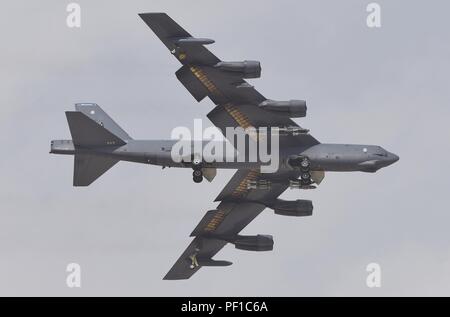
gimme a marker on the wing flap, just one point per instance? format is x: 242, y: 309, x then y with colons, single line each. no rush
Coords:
x: 191, y: 83
x: 237, y: 186
x: 207, y: 218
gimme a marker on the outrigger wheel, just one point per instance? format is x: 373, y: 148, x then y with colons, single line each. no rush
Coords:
x: 193, y: 258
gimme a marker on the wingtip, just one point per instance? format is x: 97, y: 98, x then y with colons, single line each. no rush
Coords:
x: 168, y: 278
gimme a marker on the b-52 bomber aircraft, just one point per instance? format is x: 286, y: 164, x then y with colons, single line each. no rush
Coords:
x: 98, y: 143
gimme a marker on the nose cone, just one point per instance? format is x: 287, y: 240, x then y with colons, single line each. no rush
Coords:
x: 377, y: 162
x: 392, y: 158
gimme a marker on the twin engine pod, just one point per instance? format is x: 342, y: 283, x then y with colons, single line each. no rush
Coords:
x: 252, y: 69
x: 260, y: 242
x: 247, y: 69
x: 291, y: 108
x: 295, y: 208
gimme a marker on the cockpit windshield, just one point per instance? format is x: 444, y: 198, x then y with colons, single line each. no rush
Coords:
x: 379, y: 151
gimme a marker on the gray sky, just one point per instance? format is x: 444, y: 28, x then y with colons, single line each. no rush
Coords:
x: 386, y: 86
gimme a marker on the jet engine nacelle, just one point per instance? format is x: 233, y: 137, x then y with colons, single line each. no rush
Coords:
x: 292, y: 108
x: 259, y: 242
x: 296, y: 208
x: 248, y: 69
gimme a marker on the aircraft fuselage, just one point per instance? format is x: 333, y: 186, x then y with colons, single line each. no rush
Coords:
x: 325, y: 157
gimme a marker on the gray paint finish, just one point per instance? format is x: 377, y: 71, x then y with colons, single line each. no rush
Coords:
x: 385, y: 86
x: 302, y: 160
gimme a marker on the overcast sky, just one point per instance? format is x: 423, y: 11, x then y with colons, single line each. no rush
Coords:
x: 386, y: 86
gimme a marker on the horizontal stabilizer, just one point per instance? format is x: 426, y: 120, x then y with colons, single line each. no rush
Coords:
x: 87, y: 168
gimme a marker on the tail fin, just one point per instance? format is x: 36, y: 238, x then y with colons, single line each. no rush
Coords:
x: 94, y: 112
x: 91, y: 127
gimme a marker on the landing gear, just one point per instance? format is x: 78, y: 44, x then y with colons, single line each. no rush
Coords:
x: 197, y: 176
x: 303, y: 165
x: 306, y: 173
x: 197, y: 173
x: 306, y: 177
x: 193, y: 258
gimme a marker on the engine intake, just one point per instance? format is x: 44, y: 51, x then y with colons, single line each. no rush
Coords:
x: 292, y: 108
x: 259, y: 242
x: 295, y: 208
x: 248, y: 69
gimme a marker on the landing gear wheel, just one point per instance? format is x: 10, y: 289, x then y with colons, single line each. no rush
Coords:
x: 305, y: 163
x: 197, y: 176
x: 197, y: 173
x: 306, y: 176
x: 198, y: 179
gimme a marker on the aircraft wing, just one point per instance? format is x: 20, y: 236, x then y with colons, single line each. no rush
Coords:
x: 237, y: 102
x: 237, y: 208
x: 237, y: 105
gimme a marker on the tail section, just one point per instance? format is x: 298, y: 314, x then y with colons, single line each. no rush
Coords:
x: 91, y: 128
x: 94, y: 112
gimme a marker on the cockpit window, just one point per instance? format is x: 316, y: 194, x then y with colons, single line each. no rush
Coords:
x: 380, y: 152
